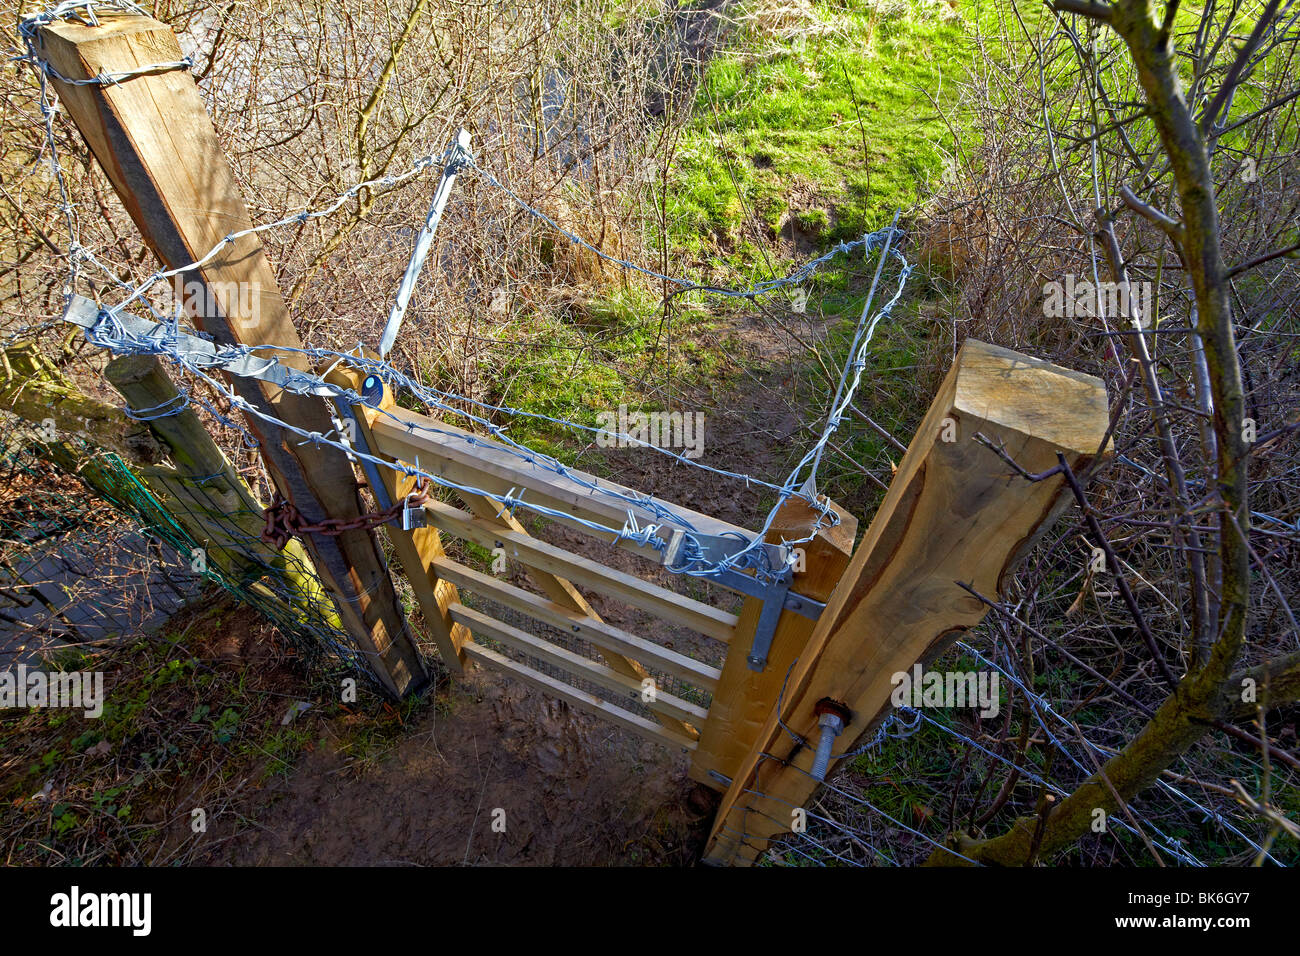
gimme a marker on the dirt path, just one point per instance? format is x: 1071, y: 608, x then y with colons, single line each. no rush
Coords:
x: 573, y: 790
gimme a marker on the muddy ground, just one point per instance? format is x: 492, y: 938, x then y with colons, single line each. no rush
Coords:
x: 509, y: 777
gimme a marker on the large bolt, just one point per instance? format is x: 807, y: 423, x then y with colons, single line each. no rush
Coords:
x: 372, y: 390
x: 831, y: 717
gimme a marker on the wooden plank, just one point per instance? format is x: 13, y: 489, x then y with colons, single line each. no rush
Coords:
x: 221, y: 502
x: 745, y: 697
x: 467, y: 477
x: 463, y: 457
x: 577, y: 665
x: 603, y: 635
x: 500, y: 471
x: 580, y: 699
x: 154, y: 140
x: 417, y: 549
x: 465, y: 474
x: 562, y: 592
x: 668, y: 605
x: 954, y: 512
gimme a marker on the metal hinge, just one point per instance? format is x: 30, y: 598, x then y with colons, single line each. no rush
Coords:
x: 776, y: 596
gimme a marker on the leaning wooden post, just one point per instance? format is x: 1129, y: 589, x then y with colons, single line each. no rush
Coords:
x: 153, y: 138
x: 212, y: 500
x: 34, y: 389
x: 954, y: 512
x: 154, y: 401
x: 228, y: 524
x: 745, y: 697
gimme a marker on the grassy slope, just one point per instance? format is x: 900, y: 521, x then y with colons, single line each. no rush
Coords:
x: 774, y: 150
x: 833, y: 127
x: 809, y: 130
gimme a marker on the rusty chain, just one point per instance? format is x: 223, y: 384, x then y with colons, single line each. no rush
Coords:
x: 284, y: 521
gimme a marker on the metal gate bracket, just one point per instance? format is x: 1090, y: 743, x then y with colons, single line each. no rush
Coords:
x: 776, y: 597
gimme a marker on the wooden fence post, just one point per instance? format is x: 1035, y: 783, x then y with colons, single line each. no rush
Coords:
x: 152, y: 136
x: 229, y: 521
x: 32, y: 388
x: 954, y: 512
x: 744, y: 697
x: 210, y: 499
x: 36, y: 391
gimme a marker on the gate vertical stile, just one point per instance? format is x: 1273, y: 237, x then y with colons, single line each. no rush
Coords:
x: 417, y: 548
x: 745, y: 696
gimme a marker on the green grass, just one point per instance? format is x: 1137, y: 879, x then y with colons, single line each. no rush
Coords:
x: 830, y: 131
x: 816, y: 130
x: 576, y: 365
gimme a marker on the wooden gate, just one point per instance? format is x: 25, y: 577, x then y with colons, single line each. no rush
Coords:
x: 960, y: 513
x: 633, y: 679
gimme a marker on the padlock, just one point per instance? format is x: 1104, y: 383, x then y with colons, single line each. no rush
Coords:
x: 412, y: 517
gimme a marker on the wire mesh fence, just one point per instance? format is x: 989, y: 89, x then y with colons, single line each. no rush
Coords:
x: 90, y: 553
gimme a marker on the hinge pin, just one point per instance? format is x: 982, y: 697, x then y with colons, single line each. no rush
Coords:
x: 831, y: 717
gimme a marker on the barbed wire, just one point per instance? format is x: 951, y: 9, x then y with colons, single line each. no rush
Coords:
x: 461, y: 158
x: 904, y: 722
x: 115, y: 338
x: 752, y: 556
x: 111, y: 333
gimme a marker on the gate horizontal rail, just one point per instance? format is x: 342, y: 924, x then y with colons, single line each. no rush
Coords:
x: 599, y: 633
x: 469, y: 459
x: 535, y: 553
x: 578, y: 698
x: 577, y: 665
